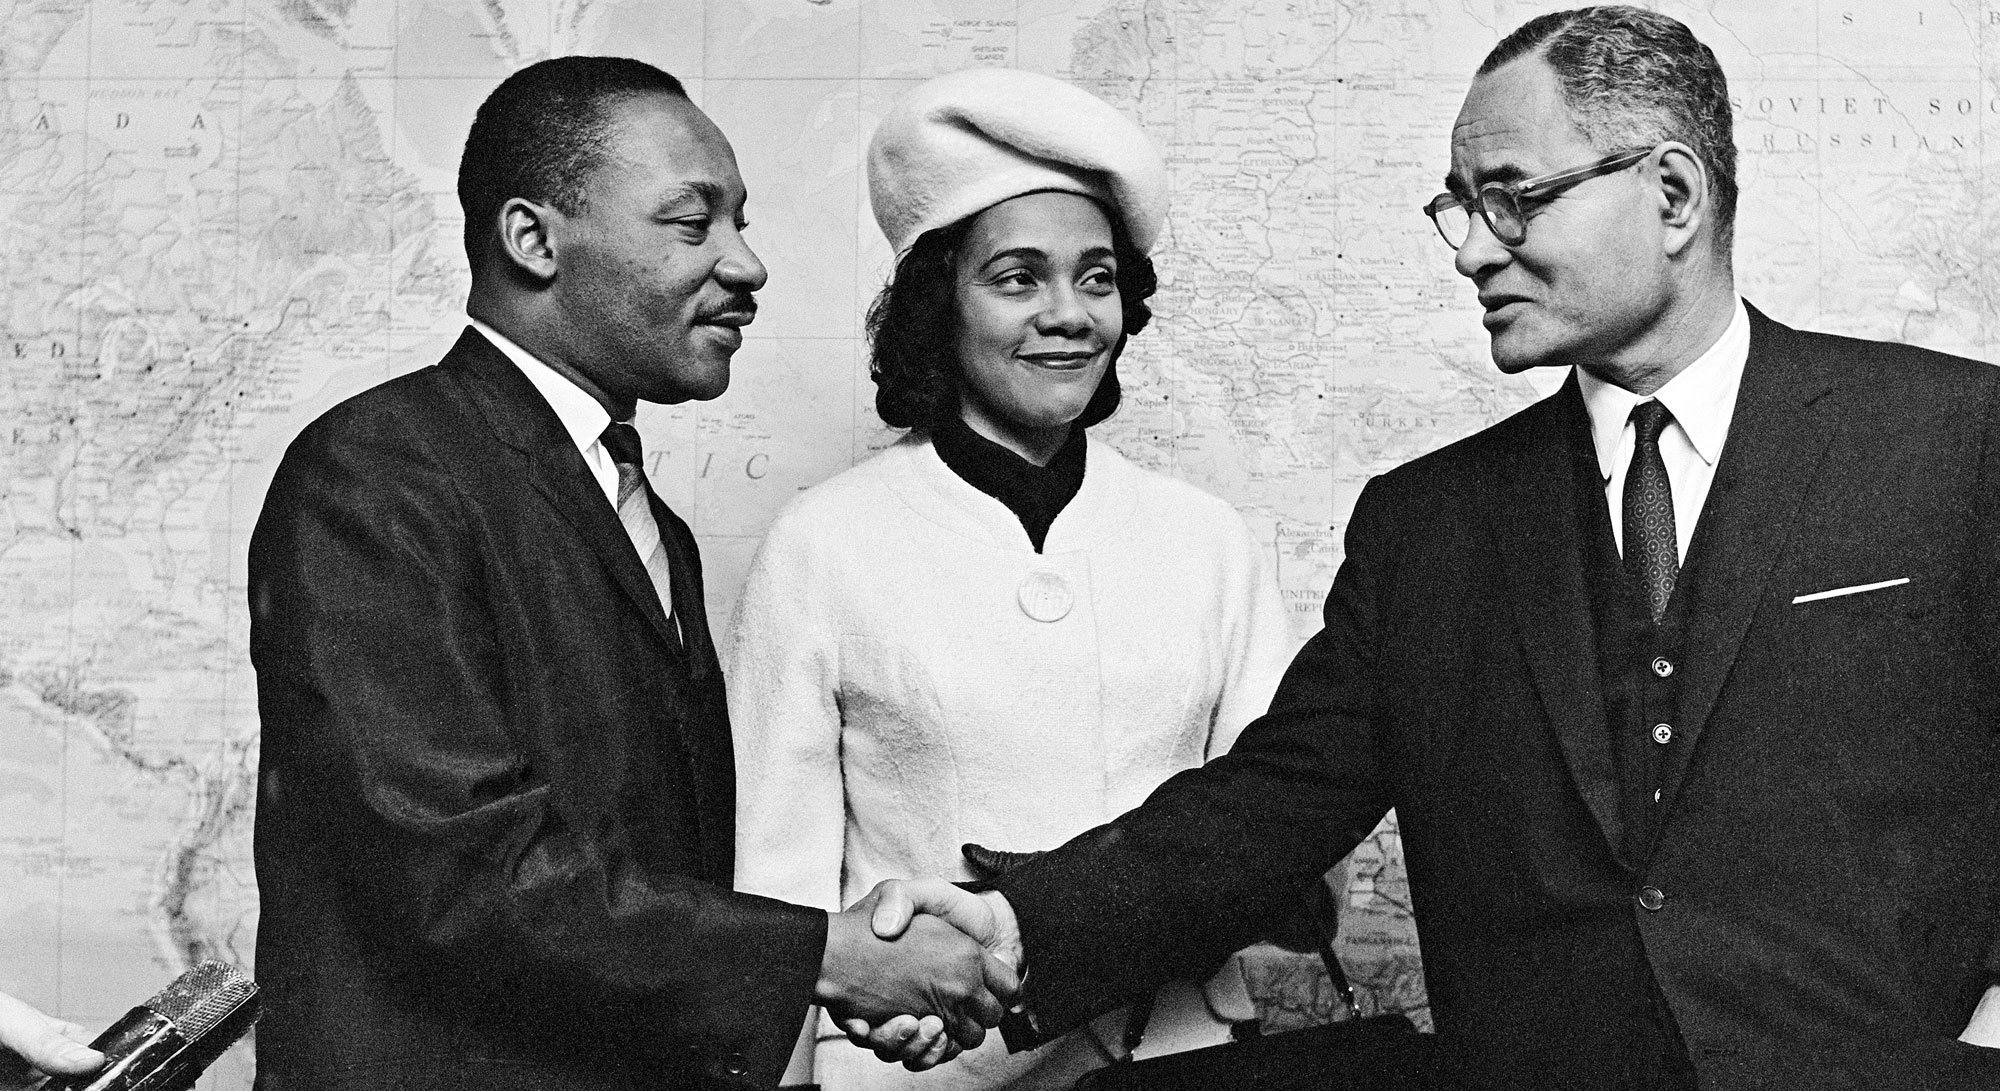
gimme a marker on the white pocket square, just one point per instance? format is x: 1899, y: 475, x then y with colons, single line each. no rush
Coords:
x: 1854, y: 590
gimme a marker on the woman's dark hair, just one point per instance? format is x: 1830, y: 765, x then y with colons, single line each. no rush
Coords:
x: 913, y: 329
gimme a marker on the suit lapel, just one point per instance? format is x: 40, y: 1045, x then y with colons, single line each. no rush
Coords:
x: 520, y: 418
x: 1777, y: 438
x: 1538, y: 528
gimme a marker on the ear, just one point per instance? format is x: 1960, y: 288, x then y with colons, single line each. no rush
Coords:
x: 527, y: 238
x: 1684, y: 196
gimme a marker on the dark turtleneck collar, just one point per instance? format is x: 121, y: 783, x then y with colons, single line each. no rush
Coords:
x: 1035, y: 494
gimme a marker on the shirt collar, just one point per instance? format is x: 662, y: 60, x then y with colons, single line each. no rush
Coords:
x: 1702, y: 397
x: 582, y: 416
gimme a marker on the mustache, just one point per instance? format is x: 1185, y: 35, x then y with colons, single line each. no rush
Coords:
x: 743, y: 307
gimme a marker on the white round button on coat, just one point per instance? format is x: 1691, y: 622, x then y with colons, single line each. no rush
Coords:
x: 1045, y: 596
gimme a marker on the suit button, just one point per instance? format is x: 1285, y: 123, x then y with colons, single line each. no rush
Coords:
x: 1663, y: 666
x: 737, y: 1065
x: 1652, y: 898
x: 1663, y: 733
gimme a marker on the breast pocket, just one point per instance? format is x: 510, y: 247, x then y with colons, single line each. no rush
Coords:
x: 1884, y: 664
x: 1852, y: 590
x: 1842, y: 599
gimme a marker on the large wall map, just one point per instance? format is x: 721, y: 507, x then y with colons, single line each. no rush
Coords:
x: 223, y: 216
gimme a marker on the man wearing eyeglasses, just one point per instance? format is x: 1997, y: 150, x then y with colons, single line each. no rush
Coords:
x: 1684, y: 682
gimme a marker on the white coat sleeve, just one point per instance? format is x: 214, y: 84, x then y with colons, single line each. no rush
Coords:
x: 1260, y: 639
x: 782, y: 671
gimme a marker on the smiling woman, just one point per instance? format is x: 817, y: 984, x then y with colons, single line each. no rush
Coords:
x: 999, y: 630
x: 948, y: 280
x: 1037, y: 294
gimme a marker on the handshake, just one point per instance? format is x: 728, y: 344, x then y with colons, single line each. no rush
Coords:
x: 919, y: 969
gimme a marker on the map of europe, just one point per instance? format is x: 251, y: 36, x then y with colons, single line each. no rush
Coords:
x: 225, y: 216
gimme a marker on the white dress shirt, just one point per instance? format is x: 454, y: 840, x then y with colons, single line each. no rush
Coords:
x: 582, y: 416
x: 1702, y: 398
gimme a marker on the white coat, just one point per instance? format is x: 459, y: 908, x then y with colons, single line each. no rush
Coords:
x: 906, y: 674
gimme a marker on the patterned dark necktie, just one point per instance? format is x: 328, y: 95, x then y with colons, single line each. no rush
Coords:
x: 635, y: 511
x: 1651, y: 544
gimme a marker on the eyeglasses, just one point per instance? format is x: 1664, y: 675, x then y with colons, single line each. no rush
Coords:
x: 1500, y: 203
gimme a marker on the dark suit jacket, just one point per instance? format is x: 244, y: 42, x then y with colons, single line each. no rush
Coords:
x: 495, y: 820
x: 1829, y: 852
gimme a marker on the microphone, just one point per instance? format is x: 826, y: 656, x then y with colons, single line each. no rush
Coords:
x: 165, y: 1043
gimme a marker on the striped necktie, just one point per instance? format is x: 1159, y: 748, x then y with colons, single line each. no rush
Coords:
x: 635, y: 511
x: 1652, y: 545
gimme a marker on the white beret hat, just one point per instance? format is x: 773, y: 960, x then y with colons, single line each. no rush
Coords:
x: 960, y: 144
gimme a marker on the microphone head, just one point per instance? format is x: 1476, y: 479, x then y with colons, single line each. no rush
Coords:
x: 203, y: 997
x: 165, y: 1043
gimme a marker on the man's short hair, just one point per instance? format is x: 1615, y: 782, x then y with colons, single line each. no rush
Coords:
x: 1633, y: 77
x: 542, y: 132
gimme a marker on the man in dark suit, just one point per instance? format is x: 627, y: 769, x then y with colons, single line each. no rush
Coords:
x: 1684, y: 682
x: 495, y: 820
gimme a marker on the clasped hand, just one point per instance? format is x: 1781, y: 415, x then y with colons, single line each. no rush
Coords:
x: 919, y: 969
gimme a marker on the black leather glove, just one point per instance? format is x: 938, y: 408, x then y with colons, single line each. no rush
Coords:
x: 993, y: 863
